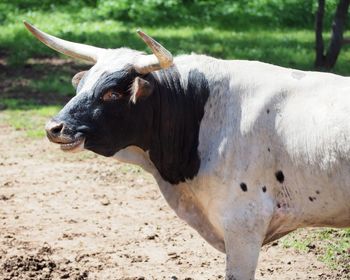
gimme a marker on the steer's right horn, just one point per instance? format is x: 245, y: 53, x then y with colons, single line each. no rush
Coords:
x: 81, y: 51
x: 160, y: 59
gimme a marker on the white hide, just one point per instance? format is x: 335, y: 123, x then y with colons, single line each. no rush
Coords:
x: 260, y: 119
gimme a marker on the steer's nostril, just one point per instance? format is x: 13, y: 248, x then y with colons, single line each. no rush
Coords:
x: 57, y: 129
x: 54, y: 129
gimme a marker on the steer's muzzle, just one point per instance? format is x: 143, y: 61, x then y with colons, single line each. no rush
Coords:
x: 54, y: 130
x: 57, y: 133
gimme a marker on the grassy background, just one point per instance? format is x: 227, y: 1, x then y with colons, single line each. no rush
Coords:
x: 275, y: 31
x: 35, y: 81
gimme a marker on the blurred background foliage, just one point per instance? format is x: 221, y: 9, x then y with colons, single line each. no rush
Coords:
x: 218, y: 13
x: 275, y: 31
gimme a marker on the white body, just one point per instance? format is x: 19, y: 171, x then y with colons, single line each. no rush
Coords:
x: 261, y: 119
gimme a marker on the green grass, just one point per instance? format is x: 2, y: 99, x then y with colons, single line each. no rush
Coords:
x: 57, y: 83
x: 336, y: 246
x: 332, y: 246
x: 281, y: 46
x: 26, y: 116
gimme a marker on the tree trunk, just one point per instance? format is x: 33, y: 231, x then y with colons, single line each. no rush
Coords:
x: 320, y: 57
x: 327, y: 61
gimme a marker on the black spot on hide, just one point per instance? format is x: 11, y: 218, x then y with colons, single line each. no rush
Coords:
x: 244, y: 187
x: 268, y: 111
x: 278, y: 205
x: 317, y: 192
x: 312, y: 198
x: 268, y: 149
x: 264, y: 188
x: 279, y: 176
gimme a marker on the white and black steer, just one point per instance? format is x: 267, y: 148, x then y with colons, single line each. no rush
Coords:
x: 245, y: 152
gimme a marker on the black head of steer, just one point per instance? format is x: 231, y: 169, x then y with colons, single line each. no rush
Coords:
x: 103, y: 118
x: 129, y: 98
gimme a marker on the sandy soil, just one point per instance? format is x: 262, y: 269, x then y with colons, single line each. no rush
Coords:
x: 65, y: 216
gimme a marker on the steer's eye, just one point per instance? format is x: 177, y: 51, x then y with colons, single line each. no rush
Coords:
x: 111, y: 95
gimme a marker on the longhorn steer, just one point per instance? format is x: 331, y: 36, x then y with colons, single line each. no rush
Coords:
x: 245, y: 152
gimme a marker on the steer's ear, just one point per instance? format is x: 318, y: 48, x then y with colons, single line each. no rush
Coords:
x: 76, y: 79
x: 140, y: 89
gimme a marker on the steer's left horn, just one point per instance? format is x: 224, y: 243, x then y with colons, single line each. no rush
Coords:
x: 84, y: 52
x: 160, y: 59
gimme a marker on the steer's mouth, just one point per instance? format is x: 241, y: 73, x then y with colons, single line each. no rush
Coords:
x: 74, y: 146
x: 70, y: 145
x: 69, y: 140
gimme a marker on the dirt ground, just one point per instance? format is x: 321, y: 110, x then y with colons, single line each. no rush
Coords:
x: 65, y: 216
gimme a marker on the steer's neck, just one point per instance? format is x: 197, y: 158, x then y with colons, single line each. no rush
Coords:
x: 178, y: 110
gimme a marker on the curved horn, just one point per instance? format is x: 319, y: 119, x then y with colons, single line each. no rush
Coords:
x: 160, y: 59
x: 84, y: 52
